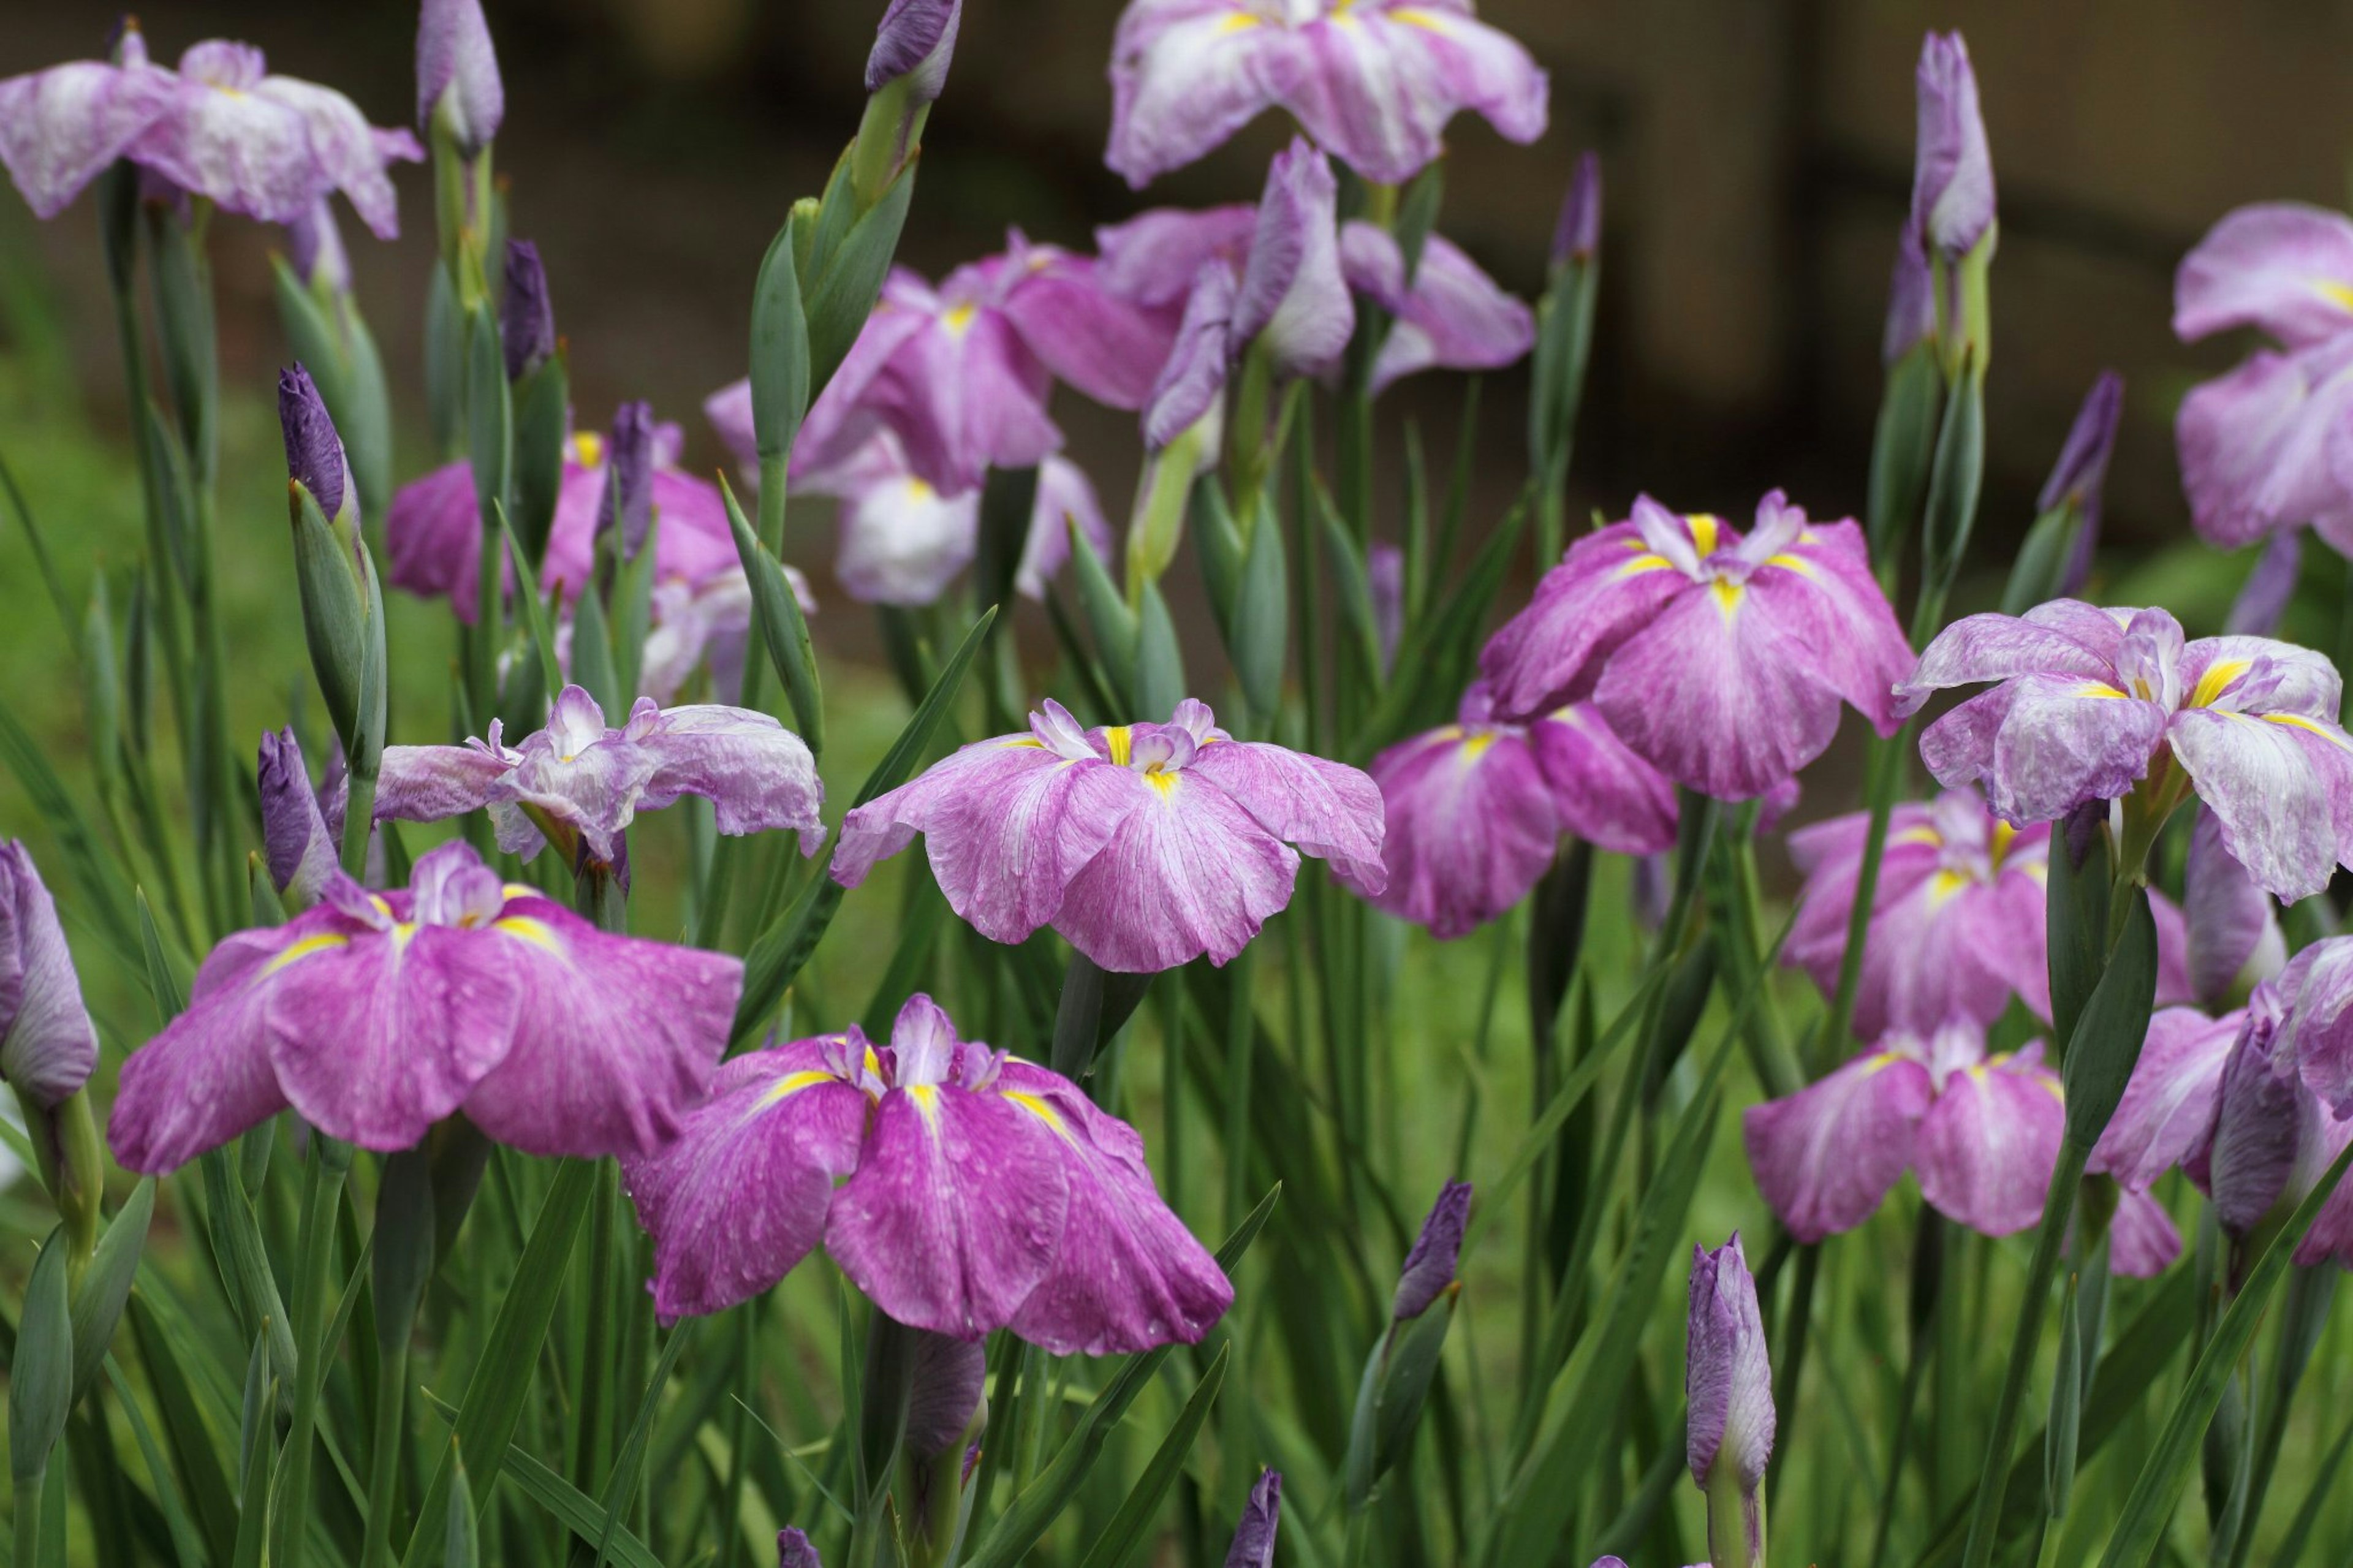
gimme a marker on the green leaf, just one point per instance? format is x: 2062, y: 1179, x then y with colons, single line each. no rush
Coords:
x: 783, y: 628
x: 844, y: 296
x: 258, y: 1460
x: 106, y: 1283
x: 2140, y: 1529
x: 105, y: 892
x: 490, y: 414
x: 1159, y: 661
x: 630, y: 1465
x: 1903, y: 448
x: 494, y: 1394
x: 542, y: 420
x: 1354, y: 589
x: 592, y: 653
x: 2041, y: 564
x: 633, y: 606
x: 534, y: 613
x: 1428, y: 686
x: 1956, y: 477
x: 334, y: 608
x: 1260, y: 638
x: 1217, y: 544
x: 780, y: 343
x: 195, y: 1452
x: 58, y: 599
x: 164, y: 982
x: 2077, y: 901
x: 1129, y: 1530
x: 571, y: 1506
x: 40, y: 1373
x: 462, y: 1539
x: 1109, y: 618
x: 776, y: 956
x: 2106, y: 1043
x: 187, y: 1544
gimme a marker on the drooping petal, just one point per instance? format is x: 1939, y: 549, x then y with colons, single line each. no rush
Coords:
x: 1605, y: 793
x: 739, y: 1197
x: 1192, y: 382
x: 2331, y: 1235
x: 2256, y: 444
x: 2142, y: 1240
x: 222, y: 140
x: 956, y: 1210
x: 2322, y: 1021
x: 1607, y: 587
x: 1831, y: 609
x: 47, y: 1047
x: 1470, y: 825
x: 2261, y: 1122
x: 2280, y: 787
x: 1826, y: 1157
x: 207, y: 1076
x: 2233, y: 933
x: 1328, y: 809
x: 1454, y: 317
x: 1066, y: 497
x: 433, y: 539
x: 1381, y: 83
x: 1293, y: 299
x: 428, y: 783
x: 844, y: 417
x: 1153, y: 257
x: 1184, y: 874
x: 2063, y: 637
x: 60, y: 128
x: 2281, y: 267
x: 379, y: 1037
x: 1188, y: 74
x: 757, y: 774
x: 614, y: 1037
x: 1988, y: 1145
x: 350, y: 155
x: 1715, y: 695
x: 1105, y: 345
x: 1127, y: 1275
x: 2169, y: 1104
x: 2056, y: 741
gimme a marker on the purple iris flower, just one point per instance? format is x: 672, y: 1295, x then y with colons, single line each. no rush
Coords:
x: 1728, y: 1383
x: 696, y: 625
x: 2092, y: 702
x: 2272, y: 1137
x: 458, y: 73
x: 977, y: 1193
x: 1957, y: 924
x: 300, y: 826
x: 2261, y: 447
x: 1373, y: 81
x: 1719, y: 660
x: 1146, y: 844
x: 377, y: 1015
x: 582, y: 783
x: 960, y: 373
x: 47, y: 1047
x: 220, y: 127
x: 433, y: 535
x: 2235, y: 941
x: 1473, y: 812
x: 2168, y: 1109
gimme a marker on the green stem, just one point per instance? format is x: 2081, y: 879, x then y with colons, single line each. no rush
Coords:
x: 1993, y: 1480
x: 383, y: 1454
x: 30, y: 1489
x: 1883, y: 777
x: 322, y: 1184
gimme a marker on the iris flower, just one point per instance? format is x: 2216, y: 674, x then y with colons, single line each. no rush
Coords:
x: 976, y: 1192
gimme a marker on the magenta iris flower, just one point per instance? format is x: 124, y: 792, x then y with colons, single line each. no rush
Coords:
x: 433, y: 535
x: 2261, y: 448
x: 2091, y: 701
x: 1145, y: 846
x: 977, y: 1193
x: 377, y: 1014
x: 1719, y: 660
x: 47, y: 1047
x: 2234, y: 936
x: 1980, y: 1131
x: 582, y: 783
x: 221, y: 127
x: 1373, y: 81
x: 960, y: 373
x: 1473, y: 812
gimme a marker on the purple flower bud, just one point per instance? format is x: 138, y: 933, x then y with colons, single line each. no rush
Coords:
x: 127, y: 46
x: 945, y: 1392
x: 314, y: 454
x: 1578, y: 234
x: 2083, y: 470
x: 1952, y: 172
x: 458, y: 73
x: 1194, y: 379
x: 1429, y: 1266
x: 794, y: 1551
x: 47, y: 1044
x: 1293, y: 293
x: 1911, y: 300
x: 526, y: 318
x: 1253, y: 1544
x: 315, y: 247
x: 1726, y: 1375
x: 1385, y: 575
x: 296, y: 837
x: 629, y: 493
x: 2257, y: 1124
x: 916, y: 40
x: 2264, y: 598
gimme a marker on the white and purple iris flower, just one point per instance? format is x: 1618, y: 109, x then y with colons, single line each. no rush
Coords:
x: 1474, y: 811
x: 1957, y: 921
x: 2091, y: 702
x: 1720, y: 659
x: 2264, y: 448
x: 377, y: 1014
x: 1981, y: 1132
x: 1373, y: 81
x: 977, y: 1193
x: 1145, y: 846
x: 960, y: 373
x: 581, y: 785
x: 220, y: 128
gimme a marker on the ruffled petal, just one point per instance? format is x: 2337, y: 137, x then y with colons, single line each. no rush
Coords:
x: 1108, y: 347
x: 2281, y: 267
x: 1188, y: 873
x: 1988, y: 1145
x: 2142, y: 1240
x: 1153, y: 257
x: 1609, y: 586
x: 2169, y: 1104
x: 2322, y: 1023
x: 1329, y: 810
x: 1188, y: 74
x: 245, y: 152
x: 2049, y: 744
x: 2232, y: 931
x: 739, y: 1197
x: 2063, y: 637
x: 433, y: 539
x: 1831, y: 608
x: 956, y: 1211
x: 1470, y: 825
x: 1381, y: 84
x: 1826, y: 1157
x: 757, y: 774
x: 1605, y: 793
x: 60, y: 128
x: 2280, y: 786
x: 2255, y: 445
x: 428, y: 783
x: 614, y: 1039
x: 1454, y: 318
x: 351, y: 157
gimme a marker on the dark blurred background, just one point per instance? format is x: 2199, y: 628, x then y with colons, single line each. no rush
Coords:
x: 1757, y: 153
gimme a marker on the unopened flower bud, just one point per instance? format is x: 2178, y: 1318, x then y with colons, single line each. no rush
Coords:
x: 315, y: 246
x: 1578, y: 234
x: 1430, y: 1265
x: 526, y: 318
x: 1253, y: 1544
x: 794, y: 1551
x: 314, y: 454
x: 47, y: 1047
x: 298, y: 840
x: 629, y: 492
x: 916, y: 40
x: 1952, y: 171
x: 458, y: 73
x: 1727, y: 1376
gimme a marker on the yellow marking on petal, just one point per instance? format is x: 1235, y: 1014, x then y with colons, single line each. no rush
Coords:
x: 1162, y: 780
x: 920, y: 490
x: 520, y: 891
x: 1928, y: 836
x: 2052, y: 1087
x: 1642, y: 564
x: 926, y: 1097
x: 1038, y: 1109
x: 2338, y: 294
x: 403, y: 933
x: 873, y: 1063
x: 791, y: 1084
x: 524, y: 929
x: 1476, y: 747
x: 1120, y: 738
x: 1998, y: 841
x: 2299, y: 721
x: 304, y: 948
x: 958, y: 320
x: 2210, y: 684
x: 1807, y: 536
x: 1704, y: 528
x: 1882, y: 1061
x: 588, y: 449
x: 1239, y: 22
x: 382, y: 906
x: 2098, y: 688
x: 1031, y: 741
x: 1728, y: 594
x: 1423, y: 19
x: 1788, y: 562
x: 1944, y: 885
